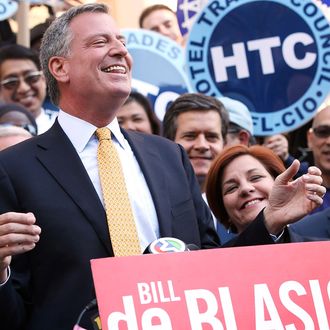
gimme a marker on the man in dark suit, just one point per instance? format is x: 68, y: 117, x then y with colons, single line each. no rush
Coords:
x: 316, y: 225
x: 52, y: 219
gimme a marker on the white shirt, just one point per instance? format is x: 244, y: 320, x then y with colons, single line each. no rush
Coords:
x: 215, y: 221
x: 45, y: 120
x: 82, y: 136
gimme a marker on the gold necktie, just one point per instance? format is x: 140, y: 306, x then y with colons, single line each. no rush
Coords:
x: 122, y: 229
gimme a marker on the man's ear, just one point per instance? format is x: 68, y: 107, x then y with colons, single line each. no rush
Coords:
x: 59, y: 68
x: 244, y: 137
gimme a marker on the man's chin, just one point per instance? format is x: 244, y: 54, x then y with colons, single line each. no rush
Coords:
x: 30, y: 106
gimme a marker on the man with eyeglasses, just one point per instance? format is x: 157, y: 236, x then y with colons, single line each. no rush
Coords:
x: 317, y: 224
x: 22, y: 82
x: 318, y: 139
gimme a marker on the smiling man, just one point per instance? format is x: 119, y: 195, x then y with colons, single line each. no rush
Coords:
x: 45, y: 274
x: 56, y: 211
x: 22, y: 82
x: 161, y: 19
x: 199, y: 123
x: 318, y: 139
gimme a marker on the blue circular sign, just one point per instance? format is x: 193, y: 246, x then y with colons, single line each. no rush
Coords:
x: 7, y: 9
x: 158, y: 69
x: 271, y: 55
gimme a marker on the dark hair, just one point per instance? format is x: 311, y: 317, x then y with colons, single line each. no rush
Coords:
x: 37, y: 32
x: 10, y: 107
x: 147, y: 11
x: 18, y: 52
x: 265, y: 156
x: 193, y: 102
x: 145, y: 104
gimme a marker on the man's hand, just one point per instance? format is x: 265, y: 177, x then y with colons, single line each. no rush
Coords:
x: 18, y: 234
x: 289, y: 201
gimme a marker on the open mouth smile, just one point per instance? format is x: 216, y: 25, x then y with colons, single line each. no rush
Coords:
x: 250, y: 203
x: 115, y: 69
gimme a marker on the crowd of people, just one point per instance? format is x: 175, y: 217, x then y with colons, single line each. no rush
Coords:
x: 200, y: 175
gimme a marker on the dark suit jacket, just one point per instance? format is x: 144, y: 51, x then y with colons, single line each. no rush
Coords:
x: 316, y: 225
x: 51, y: 284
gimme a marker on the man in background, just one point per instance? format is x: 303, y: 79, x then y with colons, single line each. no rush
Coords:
x: 199, y: 123
x: 318, y: 139
x: 162, y: 19
x: 240, y: 129
x: 22, y: 82
x: 204, y: 125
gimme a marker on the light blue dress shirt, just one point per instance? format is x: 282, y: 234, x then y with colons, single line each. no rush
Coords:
x: 82, y: 136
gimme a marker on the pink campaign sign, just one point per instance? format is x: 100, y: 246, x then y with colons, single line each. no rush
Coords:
x: 284, y: 286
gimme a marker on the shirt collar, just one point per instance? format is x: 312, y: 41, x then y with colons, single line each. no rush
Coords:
x: 80, y: 132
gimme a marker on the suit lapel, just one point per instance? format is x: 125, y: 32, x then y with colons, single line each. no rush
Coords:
x: 152, y: 168
x: 58, y: 155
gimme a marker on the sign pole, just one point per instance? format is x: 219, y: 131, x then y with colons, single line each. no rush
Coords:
x: 23, y: 34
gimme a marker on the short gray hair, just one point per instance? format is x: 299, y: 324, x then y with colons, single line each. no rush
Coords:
x: 57, y: 40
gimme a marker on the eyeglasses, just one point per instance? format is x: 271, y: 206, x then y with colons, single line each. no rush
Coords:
x: 322, y: 131
x: 234, y: 130
x: 29, y: 78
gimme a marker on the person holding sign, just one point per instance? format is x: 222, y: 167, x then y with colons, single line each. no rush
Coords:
x: 58, y: 211
x: 244, y: 181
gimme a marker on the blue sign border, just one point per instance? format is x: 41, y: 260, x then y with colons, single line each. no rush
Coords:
x: 162, y: 42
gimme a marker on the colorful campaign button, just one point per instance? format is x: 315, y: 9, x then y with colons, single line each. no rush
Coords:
x: 167, y: 244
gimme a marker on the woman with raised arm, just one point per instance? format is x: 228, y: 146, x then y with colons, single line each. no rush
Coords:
x: 245, y: 181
